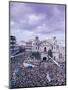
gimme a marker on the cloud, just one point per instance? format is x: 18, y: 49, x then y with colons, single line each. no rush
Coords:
x: 40, y: 19
x: 34, y: 19
x: 19, y: 10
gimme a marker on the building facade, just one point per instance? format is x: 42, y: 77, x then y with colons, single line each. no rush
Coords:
x: 44, y: 46
x: 28, y: 46
x: 13, y: 46
x: 35, y: 44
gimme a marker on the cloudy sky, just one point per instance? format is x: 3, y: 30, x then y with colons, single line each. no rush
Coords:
x: 30, y: 19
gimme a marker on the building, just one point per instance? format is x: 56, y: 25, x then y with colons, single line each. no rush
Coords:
x: 55, y: 49
x: 13, y: 46
x: 28, y: 46
x: 35, y: 44
x: 44, y: 46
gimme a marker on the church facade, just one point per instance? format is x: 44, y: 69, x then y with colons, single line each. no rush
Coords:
x: 44, y: 46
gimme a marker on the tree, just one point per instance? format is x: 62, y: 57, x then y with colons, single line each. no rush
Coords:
x: 37, y: 55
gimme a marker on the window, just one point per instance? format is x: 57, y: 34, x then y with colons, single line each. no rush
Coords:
x: 36, y: 43
x: 44, y: 49
x: 36, y: 47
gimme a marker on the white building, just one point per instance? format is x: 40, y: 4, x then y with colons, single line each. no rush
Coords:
x: 28, y: 46
x: 55, y: 49
x: 35, y: 44
x: 43, y: 46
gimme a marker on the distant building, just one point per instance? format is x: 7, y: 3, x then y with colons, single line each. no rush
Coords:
x: 13, y: 46
x: 22, y: 45
x: 28, y: 46
x: 55, y: 49
x: 35, y: 44
x: 62, y: 53
x: 44, y: 46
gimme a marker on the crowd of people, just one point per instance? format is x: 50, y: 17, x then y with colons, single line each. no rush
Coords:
x: 35, y: 76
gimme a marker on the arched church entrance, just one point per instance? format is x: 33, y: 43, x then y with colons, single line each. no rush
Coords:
x: 45, y: 49
x: 44, y: 58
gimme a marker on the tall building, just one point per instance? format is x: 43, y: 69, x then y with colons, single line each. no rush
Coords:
x: 13, y: 46
x: 35, y: 44
x: 55, y: 49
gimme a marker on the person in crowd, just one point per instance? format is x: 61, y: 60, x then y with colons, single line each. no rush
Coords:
x: 50, y: 54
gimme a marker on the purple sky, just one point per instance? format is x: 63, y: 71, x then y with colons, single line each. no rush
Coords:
x: 30, y: 19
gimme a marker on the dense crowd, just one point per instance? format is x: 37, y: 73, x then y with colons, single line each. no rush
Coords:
x: 37, y: 76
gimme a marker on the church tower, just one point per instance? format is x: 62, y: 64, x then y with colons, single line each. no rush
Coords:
x: 36, y: 44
